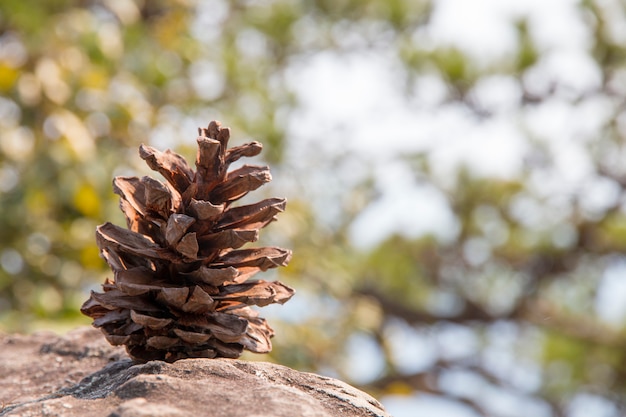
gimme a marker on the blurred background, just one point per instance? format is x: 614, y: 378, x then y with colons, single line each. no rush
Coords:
x: 455, y: 172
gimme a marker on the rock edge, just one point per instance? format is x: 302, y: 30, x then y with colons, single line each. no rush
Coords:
x: 79, y: 374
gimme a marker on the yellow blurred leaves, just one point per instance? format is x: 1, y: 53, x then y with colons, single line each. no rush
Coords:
x: 37, y: 203
x: 95, y: 77
x: 87, y: 201
x: 90, y: 257
x: 172, y: 25
x: 8, y: 76
x: 399, y: 388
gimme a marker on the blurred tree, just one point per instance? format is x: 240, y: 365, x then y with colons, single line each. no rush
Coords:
x: 509, y: 303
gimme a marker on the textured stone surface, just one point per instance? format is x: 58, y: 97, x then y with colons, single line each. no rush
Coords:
x: 79, y: 374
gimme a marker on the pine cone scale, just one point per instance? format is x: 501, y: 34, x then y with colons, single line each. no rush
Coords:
x: 212, y: 276
x: 177, y: 226
x: 259, y: 293
x: 114, y: 237
x: 262, y: 258
x: 116, y: 299
x: 172, y: 166
x: 253, y: 216
x: 240, y: 182
x: 247, y: 150
x: 205, y: 210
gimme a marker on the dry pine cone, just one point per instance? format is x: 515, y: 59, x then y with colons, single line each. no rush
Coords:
x: 181, y: 284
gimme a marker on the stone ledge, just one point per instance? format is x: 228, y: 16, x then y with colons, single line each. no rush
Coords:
x: 79, y: 374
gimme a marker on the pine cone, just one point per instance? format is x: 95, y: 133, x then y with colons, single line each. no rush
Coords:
x: 182, y: 285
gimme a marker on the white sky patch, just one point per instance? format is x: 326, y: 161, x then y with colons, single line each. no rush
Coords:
x: 478, y: 27
x: 429, y: 91
x: 566, y: 130
x: 352, y: 102
x: 497, y: 93
x: 338, y: 85
x: 611, y: 295
x: 490, y: 148
x: 485, y: 28
x: 425, y: 405
x: 585, y: 404
x: 569, y: 30
x: 412, y: 350
x: 560, y: 123
x: 406, y: 208
x: 574, y: 71
x: 208, y: 79
x: 599, y: 195
x: 365, y: 359
x: 210, y: 15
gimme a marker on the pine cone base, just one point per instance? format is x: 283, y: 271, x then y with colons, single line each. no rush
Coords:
x: 182, y: 285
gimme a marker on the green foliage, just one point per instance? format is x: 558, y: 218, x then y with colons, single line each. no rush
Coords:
x: 527, y: 54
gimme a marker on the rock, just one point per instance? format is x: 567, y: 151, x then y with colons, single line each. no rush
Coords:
x: 140, y: 407
x: 80, y: 374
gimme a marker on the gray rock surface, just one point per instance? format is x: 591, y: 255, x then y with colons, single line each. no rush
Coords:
x: 79, y: 374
